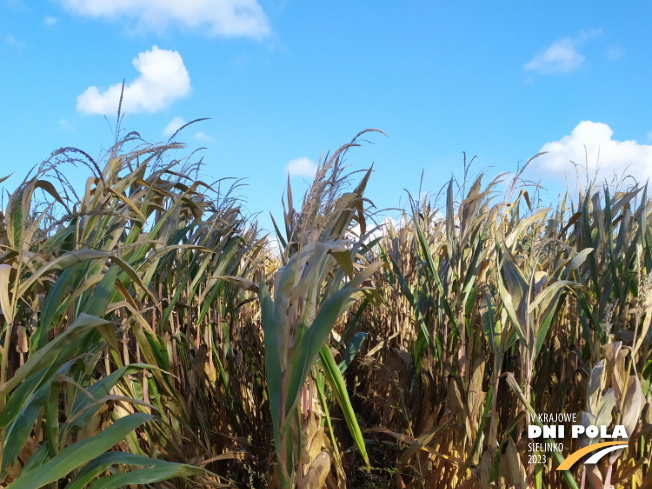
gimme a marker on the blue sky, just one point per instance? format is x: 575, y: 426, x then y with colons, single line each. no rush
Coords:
x: 284, y: 81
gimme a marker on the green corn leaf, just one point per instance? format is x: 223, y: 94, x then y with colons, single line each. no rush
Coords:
x: 425, y: 247
x: 24, y: 391
x: 272, y: 359
x: 155, y: 473
x: 22, y: 425
x: 435, y: 349
x: 308, y: 346
x: 354, y: 320
x: 98, y: 390
x: 53, y: 305
x: 49, y: 352
x: 508, y: 303
x: 319, y: 381
x: 73, y: 257
x: 352, y: 348
x: 76, y: 455
x: 336, y: 381
x: 576, y: 262
x: 155, y: 469
x: 52, y: 417
x: 18, y: 210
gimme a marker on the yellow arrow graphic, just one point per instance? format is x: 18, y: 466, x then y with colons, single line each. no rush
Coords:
x: 575, y: 456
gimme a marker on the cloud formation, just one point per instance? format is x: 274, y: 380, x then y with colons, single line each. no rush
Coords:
x: 301, y: 167
x: 163, y: 79
x: 66, y: 126
x: 562, y: 56
x: 226, y: 18
x: 202, y: 136
x: 615, y: 53
x: 14, y: 41
x: 603, y: 154
x: 173, y: 126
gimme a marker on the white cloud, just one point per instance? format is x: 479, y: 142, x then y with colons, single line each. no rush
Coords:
x: 609, y: 155
x: 66, y: 126
x: 14, y: 41
x: 301, y: 167
x: 227, y: 18
x: 50, y: 21
x: 376, y: 231
x: 202, y: 136
x: 615, y: 53
x: 163, y: 79
x: 174, y: 125
x: 562, y: 56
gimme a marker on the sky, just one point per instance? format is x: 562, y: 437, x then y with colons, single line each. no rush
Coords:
x: 284, y: 81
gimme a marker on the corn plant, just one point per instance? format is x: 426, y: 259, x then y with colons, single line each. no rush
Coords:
x: 49, y: 374
x: 150, y: 334
x: 498, y: 291
x: 321, y: 273
x: 80, y: 293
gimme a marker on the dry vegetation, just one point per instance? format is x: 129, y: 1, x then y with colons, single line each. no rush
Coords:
x: 150, y: 336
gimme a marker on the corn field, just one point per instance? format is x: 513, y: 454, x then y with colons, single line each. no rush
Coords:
x: 153, y: 336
